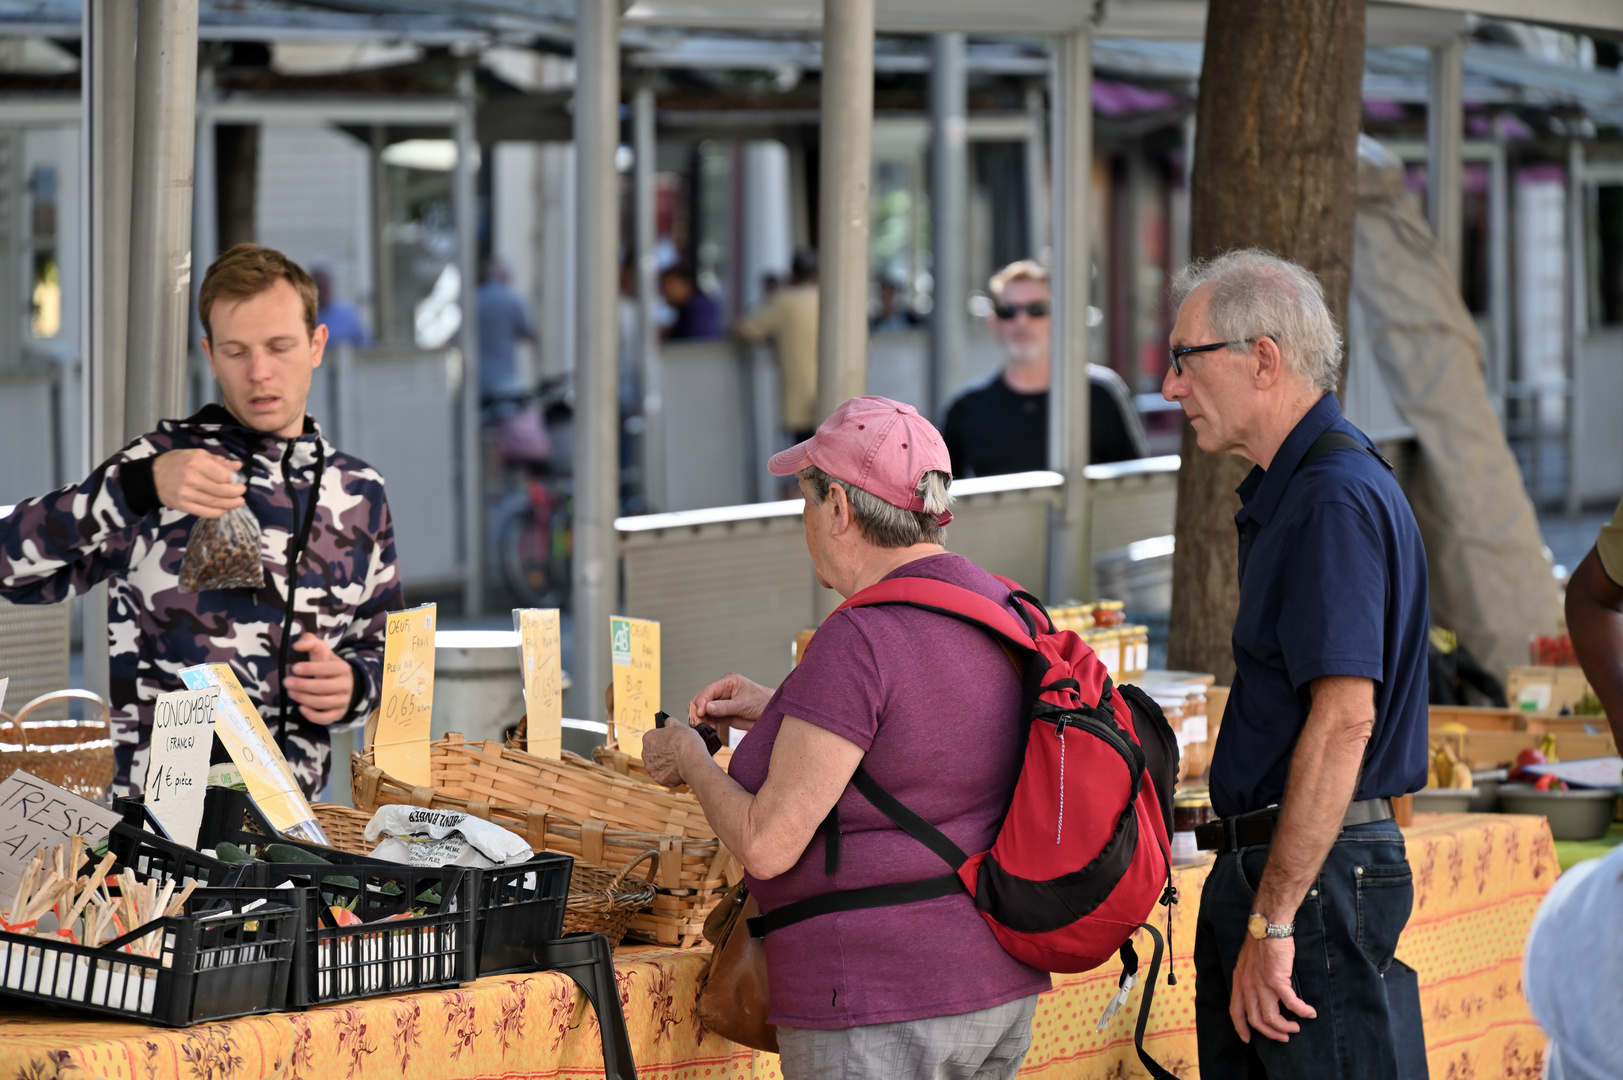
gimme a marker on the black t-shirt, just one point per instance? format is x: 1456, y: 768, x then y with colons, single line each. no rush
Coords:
x: 996, y: 429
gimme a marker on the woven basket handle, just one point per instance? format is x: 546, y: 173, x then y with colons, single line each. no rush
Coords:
x: 60, y: 695
x: 653, y: 871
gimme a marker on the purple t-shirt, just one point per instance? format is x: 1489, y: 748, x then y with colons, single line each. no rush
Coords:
x: 935, y: 705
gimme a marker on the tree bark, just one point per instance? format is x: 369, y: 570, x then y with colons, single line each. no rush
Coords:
x: 1276, y: 167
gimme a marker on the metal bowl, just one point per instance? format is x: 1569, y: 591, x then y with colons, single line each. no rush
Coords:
x: 1445, y: 800
x: 1579, y: 814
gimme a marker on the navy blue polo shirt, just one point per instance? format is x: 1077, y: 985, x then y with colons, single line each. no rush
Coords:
x: 1332, y: 582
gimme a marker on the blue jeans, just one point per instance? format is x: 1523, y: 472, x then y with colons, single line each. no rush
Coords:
x: 1368, y: 1002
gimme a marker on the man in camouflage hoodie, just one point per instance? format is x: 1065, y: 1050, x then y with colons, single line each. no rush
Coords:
x: 310, y: 657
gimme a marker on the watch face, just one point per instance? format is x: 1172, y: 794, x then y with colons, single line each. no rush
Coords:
x: 1257, y: 925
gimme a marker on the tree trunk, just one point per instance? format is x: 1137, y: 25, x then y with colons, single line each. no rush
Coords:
x: 1276, y: 167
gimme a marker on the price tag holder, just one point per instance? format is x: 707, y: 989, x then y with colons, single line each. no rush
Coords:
x: 400, y: 747
x: 541, y: 649
x: 269, y: 777
x: 178, y: 765
x: 635, y: 646
x: 35, y: 814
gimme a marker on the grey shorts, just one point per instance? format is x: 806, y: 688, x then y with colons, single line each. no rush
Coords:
x: 989, y: 1044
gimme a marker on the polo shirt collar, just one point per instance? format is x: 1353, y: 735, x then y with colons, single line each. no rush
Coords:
x: 1261, y: 490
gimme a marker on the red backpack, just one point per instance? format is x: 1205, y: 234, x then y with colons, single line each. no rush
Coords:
x: 1081, y: 857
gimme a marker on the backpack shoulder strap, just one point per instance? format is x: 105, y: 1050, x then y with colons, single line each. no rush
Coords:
x: 952, y: 600
x: 1336, y: 440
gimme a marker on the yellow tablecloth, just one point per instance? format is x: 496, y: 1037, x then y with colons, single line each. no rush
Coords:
x: 1478, y: 880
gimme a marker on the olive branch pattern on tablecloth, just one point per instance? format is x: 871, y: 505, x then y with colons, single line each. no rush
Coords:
x: 210, y: 1054
x: 408, y: 1031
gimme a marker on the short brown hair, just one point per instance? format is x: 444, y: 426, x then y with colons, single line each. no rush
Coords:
x: 248, y: 270
x: 1021, y: 270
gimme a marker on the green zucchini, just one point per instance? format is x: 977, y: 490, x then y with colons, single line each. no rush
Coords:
x: 231, y: 853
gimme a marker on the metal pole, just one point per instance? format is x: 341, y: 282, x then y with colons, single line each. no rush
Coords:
x: 1037, y: 222
x: 108, y: 102
x: 1070, y: 567
x: 382, y: 248
x: 205, y: 206
x: 465, y: 195
x: 1445, y: 136
x: 161, y: 212
x: 844, y: 179
x: 597, y: 451
x: 1499, y: 269
x: 1577, y: 318
x: 646, y: 145
x: 949, y: 94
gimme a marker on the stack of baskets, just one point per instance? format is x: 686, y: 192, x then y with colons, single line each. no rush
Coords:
x: 579, y: 808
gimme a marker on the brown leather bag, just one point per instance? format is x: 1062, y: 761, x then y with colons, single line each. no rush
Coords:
x: 733, y: 989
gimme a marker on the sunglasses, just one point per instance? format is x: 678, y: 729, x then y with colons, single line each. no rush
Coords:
x: 1037, y: 309
x: 1177, y: 355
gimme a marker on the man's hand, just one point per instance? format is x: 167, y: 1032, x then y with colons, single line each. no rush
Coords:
x: 1262, y: 983
x: 323, y: 684
x: 732, y: 698
x: 664, y: 748
x: 197, y: 482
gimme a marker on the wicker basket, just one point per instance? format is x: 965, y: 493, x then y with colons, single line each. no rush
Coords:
x: 77, y: 756
x: 345, y: 827
x: 693, y: 871
x: 605, y: 902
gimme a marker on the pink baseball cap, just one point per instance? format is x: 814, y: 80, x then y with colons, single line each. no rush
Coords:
x: 882, y: 446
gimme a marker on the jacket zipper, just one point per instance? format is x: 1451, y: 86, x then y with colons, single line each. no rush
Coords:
x: 298, y: 538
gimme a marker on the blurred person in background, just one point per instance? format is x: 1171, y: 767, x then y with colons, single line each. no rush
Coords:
x: 340, y: 317
x: 503, y: 323
x: 894, y: 312
x: 698, y: 317
x: 1001, y: 426
x: 789, y: 319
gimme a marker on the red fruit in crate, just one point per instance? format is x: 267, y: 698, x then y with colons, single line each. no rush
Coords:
x: 1550, y: 782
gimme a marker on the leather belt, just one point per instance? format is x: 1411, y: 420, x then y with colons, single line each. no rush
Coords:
x: 1257, y: 828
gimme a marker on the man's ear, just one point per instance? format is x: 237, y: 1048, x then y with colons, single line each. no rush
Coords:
x: 208, y: 354
x: 1269, y: 363
x: 840, y: 507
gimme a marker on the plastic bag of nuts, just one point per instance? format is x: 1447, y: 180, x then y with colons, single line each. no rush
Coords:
x: 223, y: 552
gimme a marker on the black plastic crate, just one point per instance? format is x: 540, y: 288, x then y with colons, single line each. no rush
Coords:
x: 405, y: 953
x: 217, y: 961
x: 137, y: 845
x: 517, y: 908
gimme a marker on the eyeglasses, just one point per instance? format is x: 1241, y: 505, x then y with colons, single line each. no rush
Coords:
x: 1037, y: 309
x: 1177, y: 355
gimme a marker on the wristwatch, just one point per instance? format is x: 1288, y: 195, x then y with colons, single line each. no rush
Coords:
x: 1259, y: 927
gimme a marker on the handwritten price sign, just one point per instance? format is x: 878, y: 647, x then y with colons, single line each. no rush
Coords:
x: 541, y: 647
x: 178, y: 768
x: 404, y: 721
x: 269, y: 777
x: 636, y: 680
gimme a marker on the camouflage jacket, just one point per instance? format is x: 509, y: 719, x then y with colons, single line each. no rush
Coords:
x: 112, y: 528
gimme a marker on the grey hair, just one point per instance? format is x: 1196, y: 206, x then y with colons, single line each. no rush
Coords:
x: 1256, y: 294
x: 885, y: 524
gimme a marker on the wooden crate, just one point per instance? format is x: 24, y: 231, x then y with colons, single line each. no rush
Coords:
x: 1555, y: 688
x: 1478, y: 719
x: 1498, y: 749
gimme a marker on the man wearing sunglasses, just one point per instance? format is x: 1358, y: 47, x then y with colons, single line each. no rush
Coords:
x: 1001, y: 425
x: 1295, y: 972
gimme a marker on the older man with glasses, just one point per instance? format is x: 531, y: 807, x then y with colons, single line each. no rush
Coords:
x: 1326, y: 722
x: 1001, y: 425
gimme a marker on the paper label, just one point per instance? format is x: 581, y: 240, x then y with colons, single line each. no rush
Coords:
x: 404, y: 722
x: 34, y: 814
x: 635, y: 645
x: 269, y: 777
x: 178, y: 765
x: 540, y: 645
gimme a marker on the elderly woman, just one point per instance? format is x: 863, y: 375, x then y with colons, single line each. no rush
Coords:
x: 930, y: 707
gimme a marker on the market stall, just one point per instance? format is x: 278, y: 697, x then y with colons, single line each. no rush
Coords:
x: 1478, y: 881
